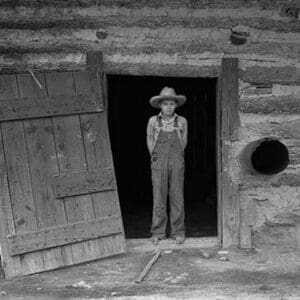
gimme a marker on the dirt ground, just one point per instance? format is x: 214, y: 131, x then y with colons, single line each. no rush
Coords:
x: 180, y: 273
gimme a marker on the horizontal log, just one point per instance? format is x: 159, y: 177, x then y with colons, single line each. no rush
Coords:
x: 47, y: 106
x: 270, y: 74
x: 143, y: 21
x: 267, y: 105
x: 281, y: 179
x: 157, y: 64
x: 80, y: 183
x: 130, y: 37
x: 265, y: 4
x: 281, y: 128
x: 62, y: 235
x: 168, y: 70
x: 16, y: 49
x: 43, y: 62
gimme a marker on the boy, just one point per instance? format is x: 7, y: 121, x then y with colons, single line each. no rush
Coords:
x: 166, y: 141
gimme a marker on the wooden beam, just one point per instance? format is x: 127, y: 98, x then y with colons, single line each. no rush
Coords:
x: 229, y: 132
x: 137, y: 4
x: 231, y: 94
x: 75, y: 22
x: 270, y: 74
x: 47, y: 106
x: 80, y: 183
x: 62, y: 235
x: 267, y: 105
x: 11, y: 265
x: 94, y: 66
x: 123, y: 61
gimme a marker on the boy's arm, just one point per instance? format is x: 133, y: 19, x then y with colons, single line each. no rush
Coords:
x: 150, y: 135
x: 184, y: 132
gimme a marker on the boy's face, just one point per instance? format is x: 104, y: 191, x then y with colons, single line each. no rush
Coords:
x: 168, y: 107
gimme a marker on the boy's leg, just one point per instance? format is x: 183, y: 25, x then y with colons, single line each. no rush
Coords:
x: 160, y: 190
x: 176, y: 177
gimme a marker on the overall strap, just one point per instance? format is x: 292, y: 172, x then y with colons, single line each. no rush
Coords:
x: 159, y: 121
x: 176, y: 122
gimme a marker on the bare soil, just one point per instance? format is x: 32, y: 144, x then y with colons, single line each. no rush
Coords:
x: 188, y: 273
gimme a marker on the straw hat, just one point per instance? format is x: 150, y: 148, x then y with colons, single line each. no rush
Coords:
x: 167, y: 93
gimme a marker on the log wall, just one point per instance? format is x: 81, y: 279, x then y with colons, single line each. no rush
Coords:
x: 181, y: 38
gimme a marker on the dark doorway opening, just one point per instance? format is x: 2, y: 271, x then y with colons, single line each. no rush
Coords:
x: 128, y: 114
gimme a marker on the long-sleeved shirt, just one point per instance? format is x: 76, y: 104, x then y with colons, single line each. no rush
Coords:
x: 153, y: 129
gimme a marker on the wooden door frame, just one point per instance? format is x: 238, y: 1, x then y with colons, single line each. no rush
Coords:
x: 228, y: 122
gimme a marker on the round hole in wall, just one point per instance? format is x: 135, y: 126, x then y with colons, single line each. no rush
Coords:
x: 265, y: 156
x: 270, y: 157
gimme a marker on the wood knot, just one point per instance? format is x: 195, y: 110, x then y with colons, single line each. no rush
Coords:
x: 101, y: 35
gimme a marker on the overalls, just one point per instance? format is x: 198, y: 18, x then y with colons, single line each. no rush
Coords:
x: 167, y: 165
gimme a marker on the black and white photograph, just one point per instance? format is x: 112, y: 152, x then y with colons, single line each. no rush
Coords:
x: 150, y: 149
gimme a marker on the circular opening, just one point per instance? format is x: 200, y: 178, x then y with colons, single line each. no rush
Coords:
x: 266, y: 156
x: 270, y: 157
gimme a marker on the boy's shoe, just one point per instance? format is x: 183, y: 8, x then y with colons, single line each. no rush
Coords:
x: 155, y: 240
x: 179, y: 240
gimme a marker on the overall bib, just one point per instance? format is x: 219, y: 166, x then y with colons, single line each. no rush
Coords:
x: 167, y: 166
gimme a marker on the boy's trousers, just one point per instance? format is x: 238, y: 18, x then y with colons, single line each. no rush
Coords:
x: 167, y: 165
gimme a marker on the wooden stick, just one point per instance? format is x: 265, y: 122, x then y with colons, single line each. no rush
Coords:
x: 148, y: 266
x: 35, y: 79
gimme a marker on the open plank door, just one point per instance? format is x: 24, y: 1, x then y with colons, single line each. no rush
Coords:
x: 59, y: 201
x: 227, y: 132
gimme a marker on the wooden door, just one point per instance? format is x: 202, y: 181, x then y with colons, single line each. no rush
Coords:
x: 227, y: 132
x: 59, y: 201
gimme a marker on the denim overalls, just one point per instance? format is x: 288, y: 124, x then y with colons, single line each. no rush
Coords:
x: 167, y: 165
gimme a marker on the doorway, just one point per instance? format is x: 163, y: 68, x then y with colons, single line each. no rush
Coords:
x: 128, y: 114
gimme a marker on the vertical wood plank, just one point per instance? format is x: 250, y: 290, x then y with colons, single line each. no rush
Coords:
x: 19, y: 176
x: 44, y: 159
x: 118, y: 240
x: 71, y: 158
x: 219, y: 159
x: 43, y: 163
x: 8, y: 87
x: 31, y: 262
x: 17, y: 166
x: 229, y: 129
x: 18, y: 172
x: 82, y: 85
x: 11, y: 265
x: 97, y: 155
x: 94, y: 66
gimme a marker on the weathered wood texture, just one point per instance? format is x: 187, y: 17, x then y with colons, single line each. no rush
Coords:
x: 267, y: 105
x: 26, y: 108
x: 56, y: 147
x: 21, y: 214
x: 247, y: 220
x: 6, y: 217
x: 62, y: 235
x: 152, y: 3
x: 80, y: 183
x: 156, y: 65
x: 229, y: 124
x: 151, y: 38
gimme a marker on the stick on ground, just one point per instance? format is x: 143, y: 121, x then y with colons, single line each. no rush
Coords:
x: 148, y: 266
